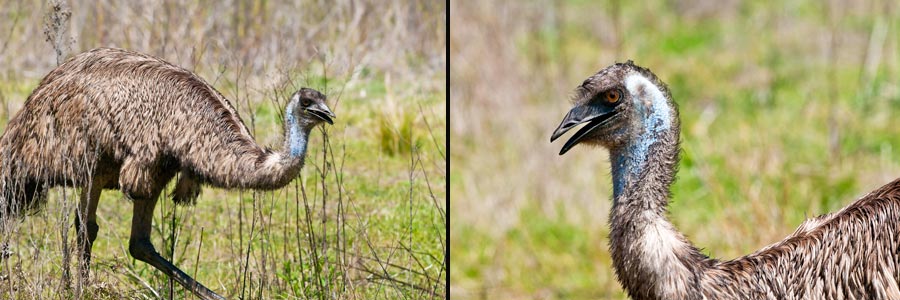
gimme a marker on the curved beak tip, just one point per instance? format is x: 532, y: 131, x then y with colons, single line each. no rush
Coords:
x: 323, y: 114
x: 326, y: 114
x: 568, y: 146
x: 562, y: 129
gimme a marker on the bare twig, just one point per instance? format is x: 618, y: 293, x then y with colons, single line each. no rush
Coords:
x: 56, y: 29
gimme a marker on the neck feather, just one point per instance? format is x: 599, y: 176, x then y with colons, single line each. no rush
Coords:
x: 653, y: 260
x: 296, y: 136
x: 276, y: 169
x: 655, y: 130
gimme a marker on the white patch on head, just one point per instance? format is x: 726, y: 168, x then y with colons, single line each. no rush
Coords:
x: 649, y: 98
x: 659, y: 248
x: 655, y: 117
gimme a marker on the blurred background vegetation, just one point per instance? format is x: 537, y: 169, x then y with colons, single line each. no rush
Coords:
x: 366, y: 220
x: 789, y: 109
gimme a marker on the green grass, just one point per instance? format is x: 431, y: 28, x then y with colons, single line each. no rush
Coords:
x: 774, y: 130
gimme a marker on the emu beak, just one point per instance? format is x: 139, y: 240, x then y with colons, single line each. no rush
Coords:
x: 597, y: 115
x: 321, y: 111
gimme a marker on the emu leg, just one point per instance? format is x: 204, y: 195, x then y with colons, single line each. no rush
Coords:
x: 140, y: 248
x: 86, y: 218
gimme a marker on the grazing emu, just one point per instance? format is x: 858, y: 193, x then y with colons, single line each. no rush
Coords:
x: 115, y: 119
x: 850, y: 254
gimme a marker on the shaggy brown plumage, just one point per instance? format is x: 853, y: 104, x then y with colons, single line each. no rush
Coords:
x: 116, y: 119
x: 850, y: 254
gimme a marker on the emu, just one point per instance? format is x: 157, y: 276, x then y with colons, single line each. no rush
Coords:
x: 850, y: 254
x: 116, y: 119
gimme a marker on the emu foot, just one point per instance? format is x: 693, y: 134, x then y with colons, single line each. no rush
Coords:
x: 143, y: 250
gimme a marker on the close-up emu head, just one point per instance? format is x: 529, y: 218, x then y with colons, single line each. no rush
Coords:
x: 308, y: 108
x: 621, y: 103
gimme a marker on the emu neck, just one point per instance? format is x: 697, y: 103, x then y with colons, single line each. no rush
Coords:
x: 645, y: 168
x: 652, y: 259
x: 274, y: 170
x: 657, y: 137
x: 296, y: 137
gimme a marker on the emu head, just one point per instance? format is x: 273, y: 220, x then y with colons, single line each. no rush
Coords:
x: 307, y: 109
x: 621, y: 104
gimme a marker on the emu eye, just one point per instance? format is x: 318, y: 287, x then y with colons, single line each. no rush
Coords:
x: 612, y: 96
x: 306, y: 102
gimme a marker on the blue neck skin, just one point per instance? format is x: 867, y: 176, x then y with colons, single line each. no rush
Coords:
x: 630, y: 160
x: 297, y: 136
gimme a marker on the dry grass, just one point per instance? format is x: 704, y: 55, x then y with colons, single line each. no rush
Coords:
x: 360, y: 223
x: 788, y: 111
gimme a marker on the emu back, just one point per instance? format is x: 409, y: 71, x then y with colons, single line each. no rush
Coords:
x: 101, y: 109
